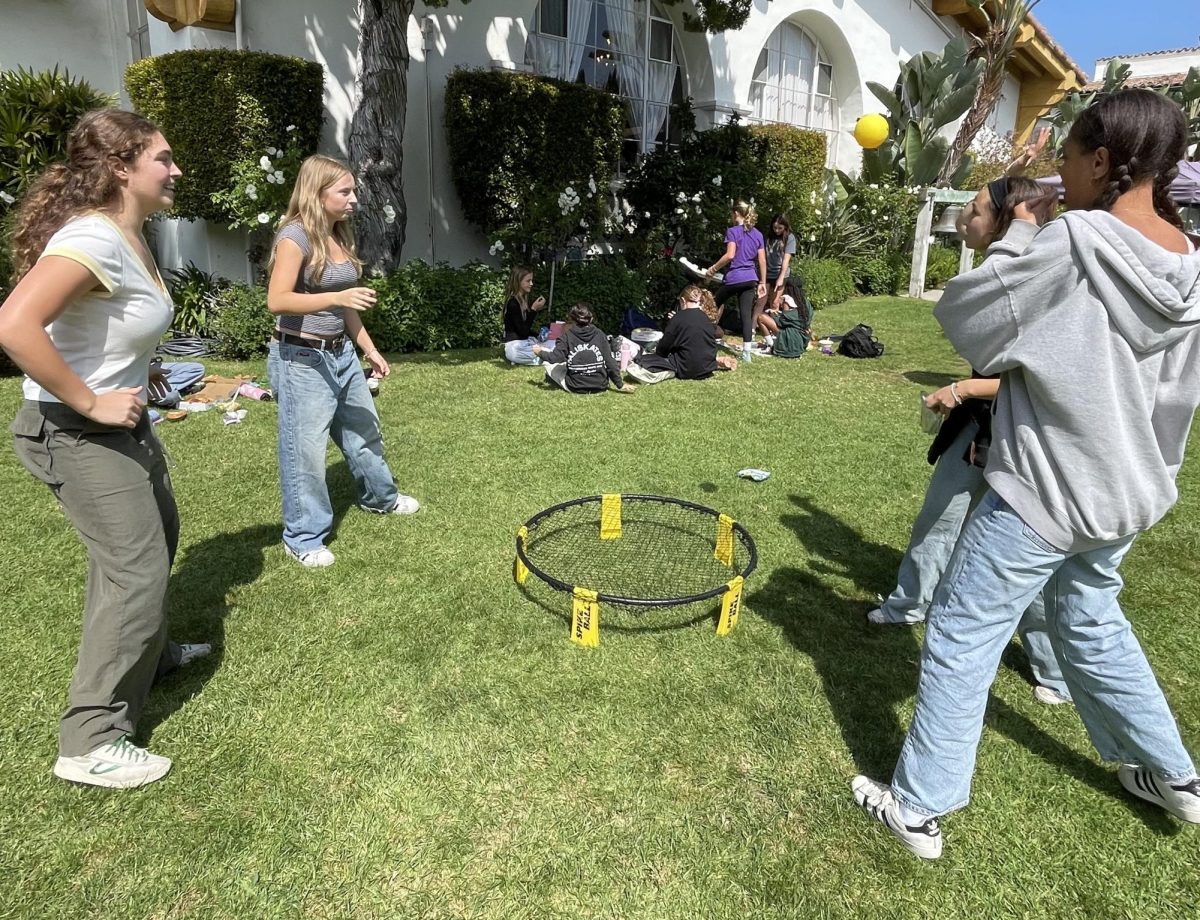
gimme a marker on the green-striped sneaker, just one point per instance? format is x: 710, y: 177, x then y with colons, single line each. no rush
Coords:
x: 116, y: 765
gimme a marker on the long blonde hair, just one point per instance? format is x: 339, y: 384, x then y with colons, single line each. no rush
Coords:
x: 747, y: 213
x: 317, y: 173
x: 85, y: 182
x: 514, y: 287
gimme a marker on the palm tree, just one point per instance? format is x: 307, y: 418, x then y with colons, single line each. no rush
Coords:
x: 1004, y: 22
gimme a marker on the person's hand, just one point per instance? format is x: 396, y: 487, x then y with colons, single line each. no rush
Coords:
x: 539, y: 304
x: 357, y: 298
x: 762, y: 289
x: 1034, y: 149
x: 626, y: 388
x: 1038, y: 210
x: 941, y: 401
x: 710, y: 271
x: 379, y: 365
x: 119, y: 408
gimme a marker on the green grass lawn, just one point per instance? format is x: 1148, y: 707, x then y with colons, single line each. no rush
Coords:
x: 409, y: 735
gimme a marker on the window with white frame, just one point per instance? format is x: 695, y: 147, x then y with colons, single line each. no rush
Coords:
x: 139, y: 28
x: 625, y: 47
x: 793, y: 82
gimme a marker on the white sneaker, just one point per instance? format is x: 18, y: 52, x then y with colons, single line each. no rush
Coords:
x: 117, y: 765
x: 406, y: 504
x: 768, y: 341
x: 1049, y: 696
x: 747, y: 351
x: 1181, y: 801
x: 189, y: 653
x: 877, y: 617
x: 319, y: 558
x: 925, y: 840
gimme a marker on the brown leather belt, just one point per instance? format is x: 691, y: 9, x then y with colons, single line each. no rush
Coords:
x: 333, y: 344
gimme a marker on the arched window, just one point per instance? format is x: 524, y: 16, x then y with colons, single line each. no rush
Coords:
x: 793, y: 83
x: 626, y: 47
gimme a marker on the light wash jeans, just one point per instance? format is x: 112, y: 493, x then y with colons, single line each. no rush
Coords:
x: 954, y: 489
x: 999, y: 566
x: 323, y: 394
x: 520, y: 351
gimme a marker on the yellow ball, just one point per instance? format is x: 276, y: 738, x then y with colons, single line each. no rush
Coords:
x: 870, y: 131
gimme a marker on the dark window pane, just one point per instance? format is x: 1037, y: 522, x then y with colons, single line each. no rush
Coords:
x: 553, y: 15
x: 825, y: 79
x: 660, y: 40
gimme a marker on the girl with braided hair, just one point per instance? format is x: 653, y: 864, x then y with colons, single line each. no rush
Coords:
x: 1093, y: 324
x: 82, y: 323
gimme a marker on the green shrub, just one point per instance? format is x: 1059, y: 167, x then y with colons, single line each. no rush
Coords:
x: 425, y: 307
x: 942, y: 265
x: 826, y: 281
x: 219, y: 107
x: 241, y: 322
x: 518, y: 142
x: 607, y: 284
x: 882, y: 274
x: 793, y: 174
x: 37, y: 113
x: 196, y: 294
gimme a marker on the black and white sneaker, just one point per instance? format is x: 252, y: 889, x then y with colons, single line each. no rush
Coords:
x: 1181, y: 801
x: 925, y: 840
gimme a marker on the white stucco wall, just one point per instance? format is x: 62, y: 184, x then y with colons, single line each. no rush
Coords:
x: 1154, y: 64
x: 1004, y: 117
x: 86, y: 37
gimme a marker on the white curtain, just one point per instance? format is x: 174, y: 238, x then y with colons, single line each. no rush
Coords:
x: 548, y: 55
x: 579, y: 18
x: 658, y: 94
x: 624, y: 24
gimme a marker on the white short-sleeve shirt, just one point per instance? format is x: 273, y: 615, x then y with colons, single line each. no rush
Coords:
x: 108, y: 335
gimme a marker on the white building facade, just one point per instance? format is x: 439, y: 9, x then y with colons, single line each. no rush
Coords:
x: 801, y: 62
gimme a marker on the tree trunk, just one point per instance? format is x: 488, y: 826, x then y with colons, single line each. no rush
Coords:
x: 990, y: 87
x: 377, y: 130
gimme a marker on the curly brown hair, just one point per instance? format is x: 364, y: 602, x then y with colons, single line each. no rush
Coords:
x: 85, y: 182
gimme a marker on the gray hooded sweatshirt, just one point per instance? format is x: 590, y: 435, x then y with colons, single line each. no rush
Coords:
x: 1096, y: 332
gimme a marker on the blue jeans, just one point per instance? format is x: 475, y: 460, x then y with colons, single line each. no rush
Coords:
x: 999, y: 566
x: 520, y: 351
x: 954, y: 489
x: 323, y: 394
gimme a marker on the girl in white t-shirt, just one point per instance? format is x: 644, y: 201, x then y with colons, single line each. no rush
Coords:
x: 82, y: 323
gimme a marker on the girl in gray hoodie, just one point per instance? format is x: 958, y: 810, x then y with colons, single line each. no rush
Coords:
x: 1093, y: 324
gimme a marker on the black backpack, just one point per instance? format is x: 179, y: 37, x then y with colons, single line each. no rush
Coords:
x: 860, y: 342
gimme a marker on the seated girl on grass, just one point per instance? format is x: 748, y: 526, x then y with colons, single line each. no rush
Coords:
x: 520, y: 317
x: 688, y: 347
x: 582, y: 361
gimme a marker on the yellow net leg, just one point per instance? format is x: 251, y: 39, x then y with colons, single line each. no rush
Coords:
x: 723, y: 552
x: 610, y: 517
x: 585, y: 618
x: 731, y: 604
x: 520, y: 571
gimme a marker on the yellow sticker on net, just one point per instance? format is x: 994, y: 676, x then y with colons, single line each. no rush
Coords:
x: 731, y: 605
x: 520, y: 570
x: 585, y: 619
x: 610, y: 517
x: 723, y: 552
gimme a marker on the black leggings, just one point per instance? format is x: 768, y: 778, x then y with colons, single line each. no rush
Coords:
x: 746, y: 292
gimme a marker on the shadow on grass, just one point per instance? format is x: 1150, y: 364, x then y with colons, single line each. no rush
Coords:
x: 868, y: 671
x: 493, y: 356
x: 199, y: 596
x: 930, y: 378
x: 620, y: 618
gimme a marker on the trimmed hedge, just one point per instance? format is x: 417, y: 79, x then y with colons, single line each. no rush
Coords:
x: 425, y: 307
x: 793, y: 169
x: 218, y: 107
x: 241, y: 322
x: 516, y: 141
x: 826, y: 281
x: 606, y: 284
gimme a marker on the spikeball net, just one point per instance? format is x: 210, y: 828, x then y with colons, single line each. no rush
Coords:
x: 635, y: 552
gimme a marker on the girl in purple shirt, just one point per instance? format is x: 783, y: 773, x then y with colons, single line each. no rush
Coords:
x: 746, y: 278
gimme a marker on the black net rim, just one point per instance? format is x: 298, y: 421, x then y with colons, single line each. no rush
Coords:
x: 742, y: 534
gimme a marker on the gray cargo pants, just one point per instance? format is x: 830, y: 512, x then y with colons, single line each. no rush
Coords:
x: 113, y: 485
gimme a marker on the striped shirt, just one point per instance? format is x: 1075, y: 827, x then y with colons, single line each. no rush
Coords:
x: 338, y: 276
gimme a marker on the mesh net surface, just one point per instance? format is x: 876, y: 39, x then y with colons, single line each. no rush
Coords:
x: 665, y: 554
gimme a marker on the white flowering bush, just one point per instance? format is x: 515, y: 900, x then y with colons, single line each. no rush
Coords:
x: 261, y: 185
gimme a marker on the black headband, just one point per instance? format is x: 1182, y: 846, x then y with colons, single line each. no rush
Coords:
x: 998, y: 189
